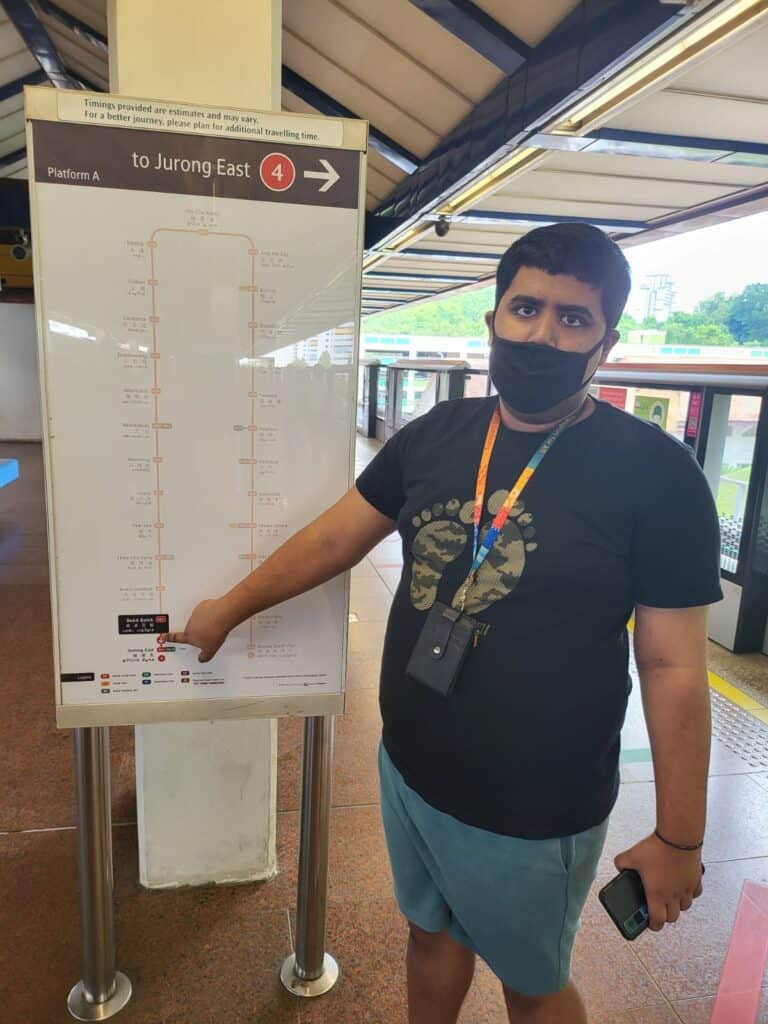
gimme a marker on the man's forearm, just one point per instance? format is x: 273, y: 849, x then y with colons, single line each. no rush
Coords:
x: 303, y: 562
x: 677, y: 711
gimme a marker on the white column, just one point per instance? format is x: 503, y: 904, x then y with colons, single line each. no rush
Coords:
x: 206, y: 792
x: 19, y: 378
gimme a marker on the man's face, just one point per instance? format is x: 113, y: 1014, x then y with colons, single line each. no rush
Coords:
x: 552, y: 309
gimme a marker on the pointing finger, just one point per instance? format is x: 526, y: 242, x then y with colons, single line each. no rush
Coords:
x: 174, y: 638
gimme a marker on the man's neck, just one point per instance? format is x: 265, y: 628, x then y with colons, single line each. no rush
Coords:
x: 533, y: 423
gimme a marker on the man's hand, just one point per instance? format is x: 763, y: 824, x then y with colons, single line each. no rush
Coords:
x: 671, y: 878
x: 207, y: 629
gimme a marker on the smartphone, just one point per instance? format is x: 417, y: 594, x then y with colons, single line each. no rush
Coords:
x: 624, y: 899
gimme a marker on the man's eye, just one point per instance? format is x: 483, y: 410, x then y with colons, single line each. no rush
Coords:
x: 572, y: 320
x: 526, y: 311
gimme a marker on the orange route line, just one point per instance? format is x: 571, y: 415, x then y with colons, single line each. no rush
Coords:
x: 203, y: 231
x: 221, y: 234
x: 251, y: 624
x: 157, y: 433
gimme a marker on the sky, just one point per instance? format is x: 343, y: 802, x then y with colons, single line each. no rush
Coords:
x: 722, y: 258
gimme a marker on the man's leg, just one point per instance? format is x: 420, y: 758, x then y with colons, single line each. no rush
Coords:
x: 439, y: 975
x: 565, y: 1007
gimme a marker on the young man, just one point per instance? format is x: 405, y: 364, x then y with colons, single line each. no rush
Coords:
x: 499, y: 772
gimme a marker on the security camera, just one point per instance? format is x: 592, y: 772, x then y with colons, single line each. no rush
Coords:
x: 442, y: 227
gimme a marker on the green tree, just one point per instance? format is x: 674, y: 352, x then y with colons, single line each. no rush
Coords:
x: 460, y: 316
x: 748, y: 318
x: 696, y: 329
x: 626, y: 324
x: 717, y: 307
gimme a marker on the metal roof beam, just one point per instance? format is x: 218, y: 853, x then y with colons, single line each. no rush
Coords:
x: 677, y: 141
x: 17, y: 86
x: 678, y: 147
x: 479, y: 31
x: 75, y: 25
x: 505, y: 217
x: 12, y: 158
x: 396, y: 288
x: 86, y: 83
x: 435, y: 278
x: 321, y: 101
x: 448, y: 254
x: 658, y: 146
x: 39, y: 43
x: 593, y: 41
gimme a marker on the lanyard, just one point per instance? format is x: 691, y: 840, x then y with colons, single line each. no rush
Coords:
x: 481, y: 552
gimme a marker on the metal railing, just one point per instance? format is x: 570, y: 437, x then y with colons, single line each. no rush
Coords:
x: 409, y: 388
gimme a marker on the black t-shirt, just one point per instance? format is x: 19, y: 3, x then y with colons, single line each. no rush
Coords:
x: 618, y: 513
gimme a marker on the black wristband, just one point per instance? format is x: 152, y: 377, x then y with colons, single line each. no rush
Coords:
x: 677, y: 846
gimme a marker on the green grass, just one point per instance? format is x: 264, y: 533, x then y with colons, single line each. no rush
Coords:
x: 728, y: 493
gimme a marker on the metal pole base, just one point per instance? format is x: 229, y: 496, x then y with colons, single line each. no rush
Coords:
x: 301, y: 987
x: 82, y: 1009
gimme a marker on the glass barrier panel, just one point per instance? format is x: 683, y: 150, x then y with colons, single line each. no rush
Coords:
x: 476, y: 385
x: 728, y: 466
x: 381, y: 393
x: 417, y: 394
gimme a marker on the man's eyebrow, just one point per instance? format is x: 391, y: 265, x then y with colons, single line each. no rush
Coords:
x: 568, y: 308
x: 564, y: 307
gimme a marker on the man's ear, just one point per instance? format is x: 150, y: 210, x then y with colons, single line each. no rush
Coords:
x: 611, y: 339
x: 489, y: 317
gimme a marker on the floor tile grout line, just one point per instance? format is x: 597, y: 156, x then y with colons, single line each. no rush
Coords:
x: 654, y: 982
x: 738, y: 860
x: 334, y: 807
x: 59, y: 828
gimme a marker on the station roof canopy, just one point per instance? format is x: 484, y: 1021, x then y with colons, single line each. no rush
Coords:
x: 644, y: 117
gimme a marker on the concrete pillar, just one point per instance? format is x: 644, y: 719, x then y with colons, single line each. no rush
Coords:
x: 206, y: 792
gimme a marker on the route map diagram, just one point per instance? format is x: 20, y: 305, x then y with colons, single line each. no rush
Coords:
x: 200, y: 387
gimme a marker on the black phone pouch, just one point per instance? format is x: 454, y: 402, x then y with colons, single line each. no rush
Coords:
x: 445, y: 640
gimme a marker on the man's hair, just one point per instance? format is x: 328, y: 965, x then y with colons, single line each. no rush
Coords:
x: 579, y: 250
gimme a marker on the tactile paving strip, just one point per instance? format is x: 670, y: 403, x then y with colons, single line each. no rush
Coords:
x: 742, y: 734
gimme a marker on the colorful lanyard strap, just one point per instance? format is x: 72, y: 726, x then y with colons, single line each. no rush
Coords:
x: 481, y: 552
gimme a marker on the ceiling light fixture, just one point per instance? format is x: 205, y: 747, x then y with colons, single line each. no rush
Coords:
x: 493, y: 180
x: 648, y: 72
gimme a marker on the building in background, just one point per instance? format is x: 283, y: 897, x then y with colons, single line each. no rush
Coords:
x: 335, y: 347
x: 654, y: 298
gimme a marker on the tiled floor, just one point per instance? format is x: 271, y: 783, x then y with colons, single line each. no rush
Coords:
x: 212, y: 955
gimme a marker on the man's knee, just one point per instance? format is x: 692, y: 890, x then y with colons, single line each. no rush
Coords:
x: 563, y: 1006
x: 440, y: 944
x: 425, y: 940
x: 522, y: 1003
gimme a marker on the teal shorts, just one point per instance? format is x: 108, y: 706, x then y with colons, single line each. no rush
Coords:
x: 515, y: 902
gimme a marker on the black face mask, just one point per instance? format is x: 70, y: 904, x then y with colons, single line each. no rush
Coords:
x: 531, y: 378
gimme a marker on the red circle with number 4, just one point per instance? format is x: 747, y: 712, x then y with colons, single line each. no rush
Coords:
x: 277, y: 172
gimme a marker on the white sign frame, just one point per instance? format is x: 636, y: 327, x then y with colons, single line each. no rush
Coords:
x: 50, y: 105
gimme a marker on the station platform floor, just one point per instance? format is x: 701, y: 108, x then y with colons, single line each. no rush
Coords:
x: 199, y: 956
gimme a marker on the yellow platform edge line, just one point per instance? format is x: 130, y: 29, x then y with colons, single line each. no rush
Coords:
x: 736, y: 696
x: 730, y: 692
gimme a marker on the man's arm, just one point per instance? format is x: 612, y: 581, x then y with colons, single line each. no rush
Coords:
x: 330, y: 545
x: 670, y: 649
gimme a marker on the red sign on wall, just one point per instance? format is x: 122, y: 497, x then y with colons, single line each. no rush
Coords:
x: 614, y: 396
x: 694, y: 415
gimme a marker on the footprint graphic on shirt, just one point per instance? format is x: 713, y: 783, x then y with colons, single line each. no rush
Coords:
x: 445, y: 532
x: 501, y: 571
x: 439, y: 542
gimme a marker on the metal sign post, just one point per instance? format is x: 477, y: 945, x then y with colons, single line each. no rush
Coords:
x: 103, y: 991
x: 310, y: 971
